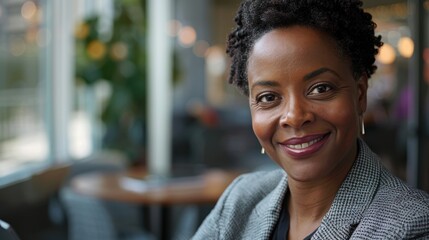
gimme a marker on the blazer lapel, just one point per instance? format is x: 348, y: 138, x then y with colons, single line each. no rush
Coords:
x: 268, y: 210
x: 353, y: 197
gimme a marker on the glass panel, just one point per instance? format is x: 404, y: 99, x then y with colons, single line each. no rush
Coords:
x: 390, y: 96
x: 388, y: 109
x: 23, y: 137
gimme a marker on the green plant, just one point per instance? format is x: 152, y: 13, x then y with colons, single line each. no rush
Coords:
x: 118, y: 57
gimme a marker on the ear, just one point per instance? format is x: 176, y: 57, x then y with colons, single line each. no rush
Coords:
x: 362, y: 88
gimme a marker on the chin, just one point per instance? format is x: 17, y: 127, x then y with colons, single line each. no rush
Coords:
x: 304, y: 174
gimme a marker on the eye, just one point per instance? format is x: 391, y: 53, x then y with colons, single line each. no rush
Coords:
x: 266, y: 98
x: 320, y: 88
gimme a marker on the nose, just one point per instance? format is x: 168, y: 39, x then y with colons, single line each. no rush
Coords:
x: 296, y: 114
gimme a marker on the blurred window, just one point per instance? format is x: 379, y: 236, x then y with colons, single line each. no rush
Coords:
x: 23, y: 103
x: 44, y: 117
x: 390, y: 95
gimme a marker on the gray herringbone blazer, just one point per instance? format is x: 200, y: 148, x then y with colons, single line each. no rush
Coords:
x: 370, y: 204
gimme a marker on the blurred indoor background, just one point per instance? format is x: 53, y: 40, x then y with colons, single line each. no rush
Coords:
x: 111, y: 85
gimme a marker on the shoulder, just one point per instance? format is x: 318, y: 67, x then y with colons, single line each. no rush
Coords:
x: 259, y: 180
x: 252, y: 187
x: 395, y: 192
x: 398, y: 208
x: 241, y: 207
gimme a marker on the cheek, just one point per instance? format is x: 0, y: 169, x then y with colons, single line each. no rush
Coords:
x: 344, y: 116
x: 263, y: 126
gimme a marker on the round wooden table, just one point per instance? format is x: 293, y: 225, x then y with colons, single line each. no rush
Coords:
x: 136, y: 186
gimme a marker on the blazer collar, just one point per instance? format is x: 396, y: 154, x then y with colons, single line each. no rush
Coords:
x: 268, y: 210
x: 353, y: 197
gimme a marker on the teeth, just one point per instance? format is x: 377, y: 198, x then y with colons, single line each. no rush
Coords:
x: 304, y: 145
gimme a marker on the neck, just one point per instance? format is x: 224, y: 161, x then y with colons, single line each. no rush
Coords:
x: 310, y: 202
x: 307, y: 204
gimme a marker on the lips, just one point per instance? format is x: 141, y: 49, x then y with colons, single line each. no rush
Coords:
x: 305, y: 146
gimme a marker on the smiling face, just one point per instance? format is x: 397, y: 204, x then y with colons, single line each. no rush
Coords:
x: 305, y: 103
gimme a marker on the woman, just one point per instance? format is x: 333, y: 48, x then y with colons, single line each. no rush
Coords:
x: 305, y: 64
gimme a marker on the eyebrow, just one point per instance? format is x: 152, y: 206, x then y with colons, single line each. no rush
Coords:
x: 264, y: 83
x: 318, y: 72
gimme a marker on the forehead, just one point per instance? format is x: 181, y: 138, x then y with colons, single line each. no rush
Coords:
x: 295, y: 39
x: 295, y: 47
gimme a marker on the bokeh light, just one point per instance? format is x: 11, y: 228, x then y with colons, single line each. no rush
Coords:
x: 119, y: 51
x: 81, y: 31
x: 387, y: 54
x: 96, y: 49
x: 215, y: 59
x: 28, y: 10
x: 406, y: 47
x: 187, y: 36
x: 31, y: 35
x: 200, y: 48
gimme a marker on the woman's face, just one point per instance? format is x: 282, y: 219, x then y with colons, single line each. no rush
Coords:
x: 305, y: 103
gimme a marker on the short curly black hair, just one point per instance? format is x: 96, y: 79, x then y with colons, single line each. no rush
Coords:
x: 344, y: 20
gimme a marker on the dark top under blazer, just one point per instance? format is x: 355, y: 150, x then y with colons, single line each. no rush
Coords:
x: 370, y: 204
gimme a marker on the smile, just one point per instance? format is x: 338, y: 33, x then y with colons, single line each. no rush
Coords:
x: 305, y: 146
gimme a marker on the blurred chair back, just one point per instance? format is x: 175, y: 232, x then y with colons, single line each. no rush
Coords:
x: 88, y: 219
x: 94, y: 219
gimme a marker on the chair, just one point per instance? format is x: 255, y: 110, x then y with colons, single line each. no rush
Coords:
x: 92, y: 219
